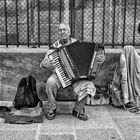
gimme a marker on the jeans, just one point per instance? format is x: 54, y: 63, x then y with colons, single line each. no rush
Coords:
x: 52, y: 86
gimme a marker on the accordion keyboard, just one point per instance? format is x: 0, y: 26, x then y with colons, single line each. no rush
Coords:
x: 60, y: 71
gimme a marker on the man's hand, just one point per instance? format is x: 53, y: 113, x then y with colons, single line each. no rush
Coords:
x: 52, y: 63
x: 91, y: 77
x: 100, y: 58
x: 46, y: 62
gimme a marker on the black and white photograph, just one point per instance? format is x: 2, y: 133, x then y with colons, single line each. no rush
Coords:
x: 69, y: 69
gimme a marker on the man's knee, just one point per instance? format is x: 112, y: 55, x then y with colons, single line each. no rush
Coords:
x: 51, y: 82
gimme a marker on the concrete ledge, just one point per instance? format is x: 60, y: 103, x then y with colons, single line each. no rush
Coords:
x: 23, y: 49
x: 43, y: 49
x: 117, y: 50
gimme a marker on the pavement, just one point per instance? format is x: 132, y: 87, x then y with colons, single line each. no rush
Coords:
x: 105, y: 123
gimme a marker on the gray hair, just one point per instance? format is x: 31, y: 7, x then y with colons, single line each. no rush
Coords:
x: 66, y: 25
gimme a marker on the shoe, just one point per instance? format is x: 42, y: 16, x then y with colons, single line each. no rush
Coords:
x: 80, y: 116
x: 51, y: 115
x: 129, y: 105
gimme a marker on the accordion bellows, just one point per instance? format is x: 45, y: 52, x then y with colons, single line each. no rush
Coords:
x: 76, y: 61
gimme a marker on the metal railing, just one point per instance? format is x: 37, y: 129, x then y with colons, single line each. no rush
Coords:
x: 34, y: 22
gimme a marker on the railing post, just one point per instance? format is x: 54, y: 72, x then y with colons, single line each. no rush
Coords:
x: 72, y: 17
x: 6, y: 30
x: 38, y: 16
x: 33, y: 23
x: 17, y: 23
x: 66, y: 11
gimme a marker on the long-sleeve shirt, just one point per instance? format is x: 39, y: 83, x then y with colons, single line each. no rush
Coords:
x: 46, y: 64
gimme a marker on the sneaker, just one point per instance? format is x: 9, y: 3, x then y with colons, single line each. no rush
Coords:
x: 51, y: 115
x: 80, y: 116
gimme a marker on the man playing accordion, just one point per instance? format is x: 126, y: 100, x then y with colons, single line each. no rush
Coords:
x: 53, y: 82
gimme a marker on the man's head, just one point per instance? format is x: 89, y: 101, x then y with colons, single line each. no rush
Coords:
x: 64, y: 31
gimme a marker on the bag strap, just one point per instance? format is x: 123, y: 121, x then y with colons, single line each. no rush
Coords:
x: 134, y: 109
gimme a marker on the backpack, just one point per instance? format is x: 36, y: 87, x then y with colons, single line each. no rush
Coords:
x: 26, y: 95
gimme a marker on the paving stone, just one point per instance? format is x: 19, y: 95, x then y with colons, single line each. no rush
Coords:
x: 129, y: 127
x: 114, y: 111
x: 7, y: 126
x: 105, y: 123
x: 93, y: 111
x: 56, y: 137
x: 97, y: 134
x: 97, y: 122
x: 61, y: 124
x: 64, y: 108
x: 17, y: 135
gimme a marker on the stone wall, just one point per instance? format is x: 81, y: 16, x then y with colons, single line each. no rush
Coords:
x: 14, y: 66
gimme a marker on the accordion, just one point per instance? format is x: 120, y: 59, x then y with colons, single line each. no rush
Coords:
x: 76, y: 61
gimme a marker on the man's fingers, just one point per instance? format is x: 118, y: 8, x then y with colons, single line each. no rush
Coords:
x: 100, y: 58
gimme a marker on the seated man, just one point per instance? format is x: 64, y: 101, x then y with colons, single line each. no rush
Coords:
x: 53, y: 82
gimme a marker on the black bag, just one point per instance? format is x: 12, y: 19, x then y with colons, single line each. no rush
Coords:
x: 4, y: 111
x: 26, y: 95
x: 21, y: 119
x: 101, y: 97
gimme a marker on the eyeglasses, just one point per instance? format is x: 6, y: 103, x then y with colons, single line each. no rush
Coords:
x: 63, y: 29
